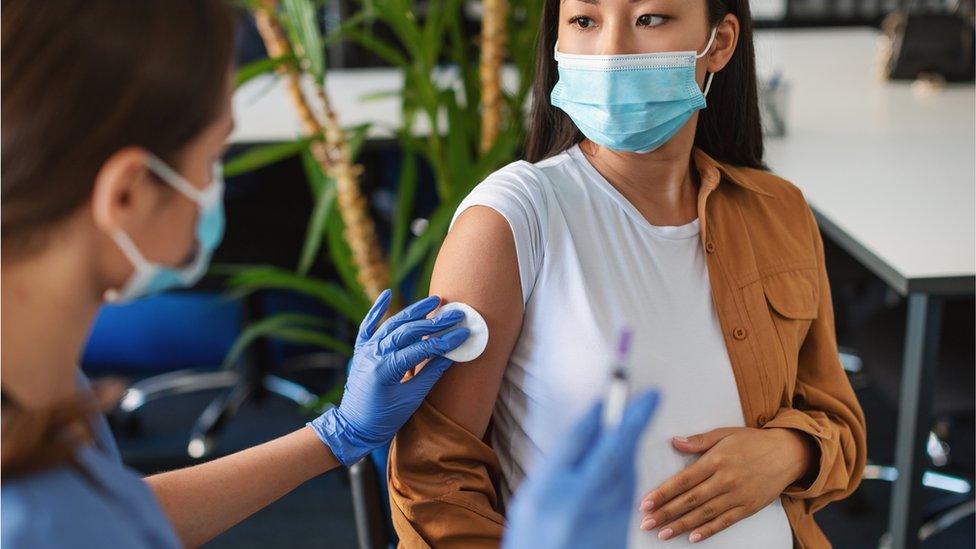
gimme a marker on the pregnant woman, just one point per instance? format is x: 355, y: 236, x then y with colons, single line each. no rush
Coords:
x: 645, y: 205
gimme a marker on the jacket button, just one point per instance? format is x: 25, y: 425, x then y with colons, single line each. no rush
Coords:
x: 739, y: 333
x: 710, y: 246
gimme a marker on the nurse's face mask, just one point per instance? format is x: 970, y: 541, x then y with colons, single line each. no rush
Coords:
x: 149, y: 277
x: 630, y: 102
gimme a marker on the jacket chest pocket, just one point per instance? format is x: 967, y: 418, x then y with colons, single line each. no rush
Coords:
x: 793, y: 298
x: 782, y: 306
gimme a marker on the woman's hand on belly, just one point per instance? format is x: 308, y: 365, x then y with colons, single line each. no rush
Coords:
x: 741, y: 471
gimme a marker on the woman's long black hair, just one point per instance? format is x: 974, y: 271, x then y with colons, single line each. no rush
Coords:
x: 728, y: 130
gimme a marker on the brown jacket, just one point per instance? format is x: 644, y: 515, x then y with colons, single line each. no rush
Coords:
x: 769, y: 285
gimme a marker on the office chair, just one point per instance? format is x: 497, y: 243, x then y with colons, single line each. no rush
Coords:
x: 865, y: 311
x: 370, y: 501
x: 938, y: 451
x: 254, y: 377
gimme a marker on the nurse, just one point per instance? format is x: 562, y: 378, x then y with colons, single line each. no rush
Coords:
x: 114, y: 114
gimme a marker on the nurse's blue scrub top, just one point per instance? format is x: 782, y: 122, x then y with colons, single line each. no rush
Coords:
x: 99, y: 503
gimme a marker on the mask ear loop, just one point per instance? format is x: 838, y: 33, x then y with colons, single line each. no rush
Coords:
x: 175, y: 180
x: 708, y: 46
x: 136, y: 259
x: 129, y: 249
x: 708, y: 83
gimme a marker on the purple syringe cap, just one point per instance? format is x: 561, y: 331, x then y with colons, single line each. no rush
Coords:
x: 623, y: 345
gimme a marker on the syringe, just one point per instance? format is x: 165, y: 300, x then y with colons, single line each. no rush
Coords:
x: 618, y: 388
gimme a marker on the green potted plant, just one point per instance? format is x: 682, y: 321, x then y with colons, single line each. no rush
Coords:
x: 476, y: 127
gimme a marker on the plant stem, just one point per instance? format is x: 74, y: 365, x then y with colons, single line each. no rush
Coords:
x: 277, y: 46
x: 333, y: 156
x: 493, y: 39
x: 373, y: 272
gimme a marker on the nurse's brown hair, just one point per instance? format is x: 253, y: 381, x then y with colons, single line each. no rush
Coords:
x: 37, y: 439
x: 728, y: 129
x: 83, y: 79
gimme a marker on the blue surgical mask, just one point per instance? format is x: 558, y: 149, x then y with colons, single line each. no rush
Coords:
x: 149, y: 277
x: 634, y: 102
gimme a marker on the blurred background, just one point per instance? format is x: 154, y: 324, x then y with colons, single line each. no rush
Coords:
x: 884, y: 88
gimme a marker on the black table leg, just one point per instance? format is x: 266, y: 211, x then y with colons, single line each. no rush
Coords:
x: 914, y: 417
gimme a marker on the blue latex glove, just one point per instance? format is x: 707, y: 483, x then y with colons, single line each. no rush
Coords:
x: 582, y: 494
x: 375, y: 404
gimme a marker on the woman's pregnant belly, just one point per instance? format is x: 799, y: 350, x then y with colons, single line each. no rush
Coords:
x: 537, y: 405
x: 657, y: 461
x: 698, y: 394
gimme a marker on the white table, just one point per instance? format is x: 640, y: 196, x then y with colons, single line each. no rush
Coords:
x: 264, y: 113
x: 890, y: 175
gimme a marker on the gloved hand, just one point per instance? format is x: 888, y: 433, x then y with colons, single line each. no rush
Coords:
x: 375, y: 404
x: 582, y: 494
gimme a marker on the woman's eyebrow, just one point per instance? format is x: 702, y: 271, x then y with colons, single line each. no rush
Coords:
x: 596, y: 2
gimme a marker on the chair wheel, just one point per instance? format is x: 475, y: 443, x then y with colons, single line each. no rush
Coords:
x: 200, y: 446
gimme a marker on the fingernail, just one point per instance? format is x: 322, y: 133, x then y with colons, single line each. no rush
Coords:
x: 681, y: 439
x: 649, y: 523
x: 665, y: 534
x: 695, y: 537
x: 647, y: 505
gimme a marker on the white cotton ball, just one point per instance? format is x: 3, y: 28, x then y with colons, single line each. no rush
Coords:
x: 477, y: 341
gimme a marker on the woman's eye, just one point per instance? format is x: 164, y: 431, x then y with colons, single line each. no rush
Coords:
x: 648, y: 20
x: 581, y: 22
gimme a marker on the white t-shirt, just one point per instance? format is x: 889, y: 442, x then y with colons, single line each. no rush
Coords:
x: 590, y: 264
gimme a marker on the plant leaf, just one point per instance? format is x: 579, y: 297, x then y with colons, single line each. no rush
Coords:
x: 330, y: 293
x: 377, y: 95
x: 400, y: 17
x: 312, y: 337
x: 301, y: 19
x: 460, y: 152
x: 231, y: 269
x: 501, y: 151
x: 352, y: 22
x: 313, y: 173
x: 260, y: 156
x: 258, y: 67
x: 267, y: 326
x: 421, y: 245
x: 404, y: 205
x: 356, y: 138
x: 317, y: 222
x: 375, y: 45
x: 422, y: 285
x: 433, y: 31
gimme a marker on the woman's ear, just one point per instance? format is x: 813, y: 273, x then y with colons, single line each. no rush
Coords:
x: 123, y: 192
x: 726, y: 38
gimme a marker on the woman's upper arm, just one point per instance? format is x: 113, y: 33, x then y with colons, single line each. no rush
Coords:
x: 478, y: 265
